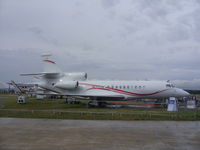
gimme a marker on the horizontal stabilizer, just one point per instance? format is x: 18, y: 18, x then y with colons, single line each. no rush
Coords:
x: 42, y: 73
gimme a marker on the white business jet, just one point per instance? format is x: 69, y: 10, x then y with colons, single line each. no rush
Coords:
x: 76, y: 84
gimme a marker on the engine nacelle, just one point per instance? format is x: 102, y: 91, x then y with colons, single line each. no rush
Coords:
x: 76, y: 76
x: 67, y: 85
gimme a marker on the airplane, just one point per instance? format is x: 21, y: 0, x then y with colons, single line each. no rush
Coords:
x: 53, y: 79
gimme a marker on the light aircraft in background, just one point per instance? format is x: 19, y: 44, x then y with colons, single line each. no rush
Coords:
x: 76, y: 84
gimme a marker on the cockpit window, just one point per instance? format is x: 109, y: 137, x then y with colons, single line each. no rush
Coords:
x: 169, y: 85
x: 172, y: 85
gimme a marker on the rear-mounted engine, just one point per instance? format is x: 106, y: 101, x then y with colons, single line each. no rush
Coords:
x: 68, y: 85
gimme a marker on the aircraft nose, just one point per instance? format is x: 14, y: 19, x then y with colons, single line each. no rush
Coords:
x: 185, y: 93
x: 182, y: 92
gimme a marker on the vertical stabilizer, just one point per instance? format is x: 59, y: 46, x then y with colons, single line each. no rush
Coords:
x: 49, y: 65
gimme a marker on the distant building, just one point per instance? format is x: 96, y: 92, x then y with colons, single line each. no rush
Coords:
x: 26, y: 88
x: 4, y: 88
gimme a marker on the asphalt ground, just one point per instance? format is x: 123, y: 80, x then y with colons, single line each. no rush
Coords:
x: 50, y: 134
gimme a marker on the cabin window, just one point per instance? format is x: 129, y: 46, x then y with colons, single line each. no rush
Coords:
x: 116, y: 87
x: 124, y: 87
x: 112, y: 86
x: 120, y: 87
x: 135, y: 87
x: 127, y: 86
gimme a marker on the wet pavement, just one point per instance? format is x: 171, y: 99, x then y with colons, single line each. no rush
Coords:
x: 50, y: 134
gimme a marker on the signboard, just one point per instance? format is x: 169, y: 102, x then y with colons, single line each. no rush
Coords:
x: 191, y: 104
x: 172, y: 104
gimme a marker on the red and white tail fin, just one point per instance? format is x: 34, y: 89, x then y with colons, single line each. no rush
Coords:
x: 49, y: 65
x: 50, y: 68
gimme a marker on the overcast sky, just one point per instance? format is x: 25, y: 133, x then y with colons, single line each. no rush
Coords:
x: 108, y: 39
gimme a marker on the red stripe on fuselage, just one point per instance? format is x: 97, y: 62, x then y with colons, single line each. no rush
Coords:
x: 99, y: 87
x: 47, y: 60
x: 91, y: 84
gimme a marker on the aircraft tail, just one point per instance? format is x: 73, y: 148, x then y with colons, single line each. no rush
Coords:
x: 49, y: 65
x: 50, y: 69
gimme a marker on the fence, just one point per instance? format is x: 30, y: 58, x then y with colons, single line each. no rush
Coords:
x: 87, y: 115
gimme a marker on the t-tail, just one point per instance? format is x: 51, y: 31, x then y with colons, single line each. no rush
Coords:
x: 50, y: 65
x: 50, y: 68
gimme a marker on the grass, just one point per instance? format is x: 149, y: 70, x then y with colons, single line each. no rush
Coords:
x: 58, y: 109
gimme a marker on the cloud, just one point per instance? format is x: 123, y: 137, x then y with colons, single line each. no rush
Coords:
x: 109, y: 3
x: 133, y: 39
x: 39, y: 33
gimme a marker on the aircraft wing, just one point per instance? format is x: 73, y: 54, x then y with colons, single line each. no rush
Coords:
x: 59, y: 94
x: 109, y: 96
x: 46, y: 74
x: 99, y: 97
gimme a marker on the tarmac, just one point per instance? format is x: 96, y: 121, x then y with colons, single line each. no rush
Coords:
x: 51, y: 134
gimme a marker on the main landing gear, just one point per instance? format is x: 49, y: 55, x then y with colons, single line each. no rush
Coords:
x: 71, y: 100
x: 95, y: 103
